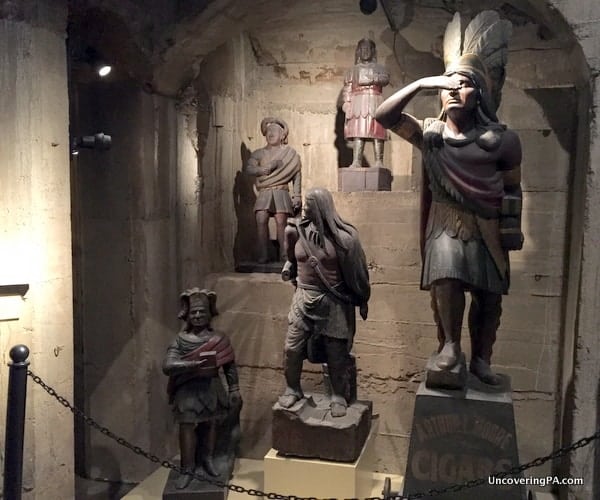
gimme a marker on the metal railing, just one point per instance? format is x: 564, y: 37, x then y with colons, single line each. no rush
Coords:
x: 15, y: 422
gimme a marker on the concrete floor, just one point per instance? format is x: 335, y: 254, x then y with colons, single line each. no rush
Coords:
x: 90, y: 489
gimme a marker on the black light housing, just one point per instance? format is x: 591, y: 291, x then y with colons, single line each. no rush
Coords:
x: 368, y: 6
x: 98, y: 142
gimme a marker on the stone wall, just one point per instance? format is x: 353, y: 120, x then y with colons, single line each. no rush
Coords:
x: 36, y: 231
x: 583, y: 391
x: 126, y: 285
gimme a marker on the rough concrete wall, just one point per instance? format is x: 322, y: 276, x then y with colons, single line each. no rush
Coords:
x: 36, y: 231
x: 584, y: 18
x: 293, y: 67
x: 126, y: 274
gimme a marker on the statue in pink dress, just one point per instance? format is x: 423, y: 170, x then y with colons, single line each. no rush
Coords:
x: 362, y: 95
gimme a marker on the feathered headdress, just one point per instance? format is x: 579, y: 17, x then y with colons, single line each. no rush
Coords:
x: 481, y: 55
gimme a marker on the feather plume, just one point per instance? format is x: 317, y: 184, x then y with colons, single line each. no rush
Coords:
x: 487, y: 36
x: 452, y: 40
x: 476, y: 28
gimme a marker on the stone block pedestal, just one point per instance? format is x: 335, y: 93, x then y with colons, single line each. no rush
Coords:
x: 352, y: 179
x: 308, y: 430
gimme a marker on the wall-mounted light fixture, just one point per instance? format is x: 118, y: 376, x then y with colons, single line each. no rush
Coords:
x: 11, y: 301
x: 98, y: 142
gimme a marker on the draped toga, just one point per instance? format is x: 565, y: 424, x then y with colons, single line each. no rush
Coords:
x: 273, y: 189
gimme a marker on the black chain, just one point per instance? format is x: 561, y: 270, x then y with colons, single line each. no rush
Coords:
x: 561, y: 452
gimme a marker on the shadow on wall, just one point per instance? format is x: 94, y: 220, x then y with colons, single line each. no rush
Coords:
x: 344, y: 153
x: 110, y: 468
x: 564, y: 125
x: 244, y: 198
x: 563, y: 465
x: 596, y: 478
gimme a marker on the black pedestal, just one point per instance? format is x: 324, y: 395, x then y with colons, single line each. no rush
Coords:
x: 458, y: 436
x: 197, y: 490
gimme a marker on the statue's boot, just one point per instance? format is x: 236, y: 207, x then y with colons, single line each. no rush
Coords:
x: 292, y: 369
x: 184, y: 479
x: 484, y: 320
x: 338, y: 406
x: 187, y: 448
x: 448, y: 302
x: 436, y: 318
x: 483, y: 371
x: 378, y: 146
x: 207, y: 460
x: 359, y: 146
x: 448, y: 356
x: 209, y: 466
x: 281, y: 222
x: 338, y: 364
x: 262, y: 236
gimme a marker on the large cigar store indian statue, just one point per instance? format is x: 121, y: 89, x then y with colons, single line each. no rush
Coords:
x: 275, y: 167
x: 472, y: 194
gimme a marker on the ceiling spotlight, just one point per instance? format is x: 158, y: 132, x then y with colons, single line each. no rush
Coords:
x: 103, y: 69
x: 94, y: 59
x: 368, y: 6
x: 99, y: 142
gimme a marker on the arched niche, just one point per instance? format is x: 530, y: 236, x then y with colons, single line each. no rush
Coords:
x: 231, y: 63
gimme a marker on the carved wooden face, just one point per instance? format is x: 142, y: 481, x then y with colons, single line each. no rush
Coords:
x: 199, y: 315
x: 462, y: 99
x: 365, y: 51
x: 274, y: 134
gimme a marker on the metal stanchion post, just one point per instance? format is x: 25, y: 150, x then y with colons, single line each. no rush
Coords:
x: 15, y: 422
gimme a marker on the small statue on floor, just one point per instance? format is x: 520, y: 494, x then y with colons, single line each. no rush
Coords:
x: 327, y: 263
x: 275, y: 166
x: 362, y: 94
x: 201, y: 405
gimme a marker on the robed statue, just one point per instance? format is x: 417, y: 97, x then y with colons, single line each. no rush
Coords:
x: 276, y: 167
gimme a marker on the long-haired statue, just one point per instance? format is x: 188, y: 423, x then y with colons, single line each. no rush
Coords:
x: 472, y: 194
x: 327, y: 262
